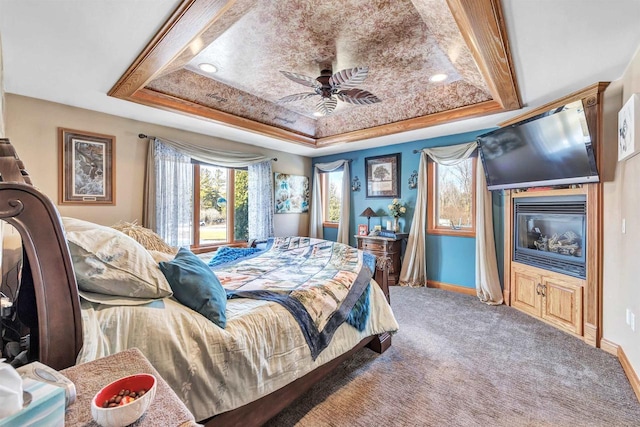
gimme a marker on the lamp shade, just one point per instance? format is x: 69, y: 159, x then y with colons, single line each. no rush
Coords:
x: 368, y: 213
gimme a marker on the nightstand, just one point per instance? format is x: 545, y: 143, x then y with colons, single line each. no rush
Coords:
x: 165, y: 410
x: 385, y: 246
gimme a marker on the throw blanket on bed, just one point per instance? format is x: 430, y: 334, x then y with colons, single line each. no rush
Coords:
x: 317, y: 281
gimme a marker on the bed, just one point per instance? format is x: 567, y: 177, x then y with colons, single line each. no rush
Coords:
x: 241, y: 374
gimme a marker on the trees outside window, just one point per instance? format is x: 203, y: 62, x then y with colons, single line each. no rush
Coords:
x: 331, y: 197
x: 221, y: 206
x: 451, y: 191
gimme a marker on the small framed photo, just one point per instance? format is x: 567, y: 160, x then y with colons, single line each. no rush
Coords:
x: 363, y: 230
x: 629, y: 127
x: 383, y: 176
x: 87, y: 168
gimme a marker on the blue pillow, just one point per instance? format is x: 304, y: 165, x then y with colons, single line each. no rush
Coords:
x: 194, y: 285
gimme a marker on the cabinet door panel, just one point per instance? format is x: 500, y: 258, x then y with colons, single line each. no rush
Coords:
x: 524, y: 295
x: 563, y: 304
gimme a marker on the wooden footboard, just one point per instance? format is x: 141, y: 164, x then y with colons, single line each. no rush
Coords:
x: 260, y: 411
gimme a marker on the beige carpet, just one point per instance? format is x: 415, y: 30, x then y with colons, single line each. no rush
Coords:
x: 458, y: 362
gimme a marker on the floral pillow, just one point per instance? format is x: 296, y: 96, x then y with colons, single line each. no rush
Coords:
x: 111, y: 264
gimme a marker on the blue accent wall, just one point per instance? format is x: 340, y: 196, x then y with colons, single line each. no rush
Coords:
x: 450, y: 259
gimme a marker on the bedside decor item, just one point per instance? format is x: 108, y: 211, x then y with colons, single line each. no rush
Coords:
x: 628, y: 127
x: 121, y: 415
x: 413, y: 180
x: 368, y: 213
x: 382, y: 175
x: 363, y: 230
x: 355, y: 184
x: 87, y: 168
x: 396, y: 210
x: 291, y: 193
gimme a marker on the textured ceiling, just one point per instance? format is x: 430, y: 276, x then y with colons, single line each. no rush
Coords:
x: 402, y: 42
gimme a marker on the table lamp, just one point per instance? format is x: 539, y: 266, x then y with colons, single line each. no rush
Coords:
x: 368, y: 213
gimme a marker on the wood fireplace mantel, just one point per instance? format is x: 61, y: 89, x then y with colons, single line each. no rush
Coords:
x: 590, y: 309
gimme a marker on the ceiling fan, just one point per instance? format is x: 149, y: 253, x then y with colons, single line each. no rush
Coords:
x: 331, y: 88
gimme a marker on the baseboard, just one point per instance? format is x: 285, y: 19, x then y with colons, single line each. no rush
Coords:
x: 452, y: 288
x: 609, y: 347
x: 631, y: 374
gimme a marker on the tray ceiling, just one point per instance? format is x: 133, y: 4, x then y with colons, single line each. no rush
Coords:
x: 402, y: 42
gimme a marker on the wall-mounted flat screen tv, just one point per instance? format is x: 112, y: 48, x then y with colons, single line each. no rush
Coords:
x: 550, y: 149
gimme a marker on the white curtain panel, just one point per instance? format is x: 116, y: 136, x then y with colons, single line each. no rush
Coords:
x: 414, y: 264
x: 260, y: 201
x: 487, y: 278
x: 172, y: 195
x: 315, y: 223
x: 414, y: 270
x: 223, y: 158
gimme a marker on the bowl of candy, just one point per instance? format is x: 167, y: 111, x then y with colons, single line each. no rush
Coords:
x: 123, y: 401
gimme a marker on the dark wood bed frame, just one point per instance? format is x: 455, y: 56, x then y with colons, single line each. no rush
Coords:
x: 48, y: 302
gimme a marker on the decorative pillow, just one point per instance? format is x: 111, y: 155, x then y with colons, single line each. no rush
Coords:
x: 149, y: 239
x: 107, y: 262
x: 195, y: 286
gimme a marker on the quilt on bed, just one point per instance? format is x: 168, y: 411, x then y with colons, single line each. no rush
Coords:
x: 317, y: 281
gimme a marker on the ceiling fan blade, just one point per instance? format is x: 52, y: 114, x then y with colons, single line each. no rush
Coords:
x: 357, y: 97
x: 301, y: 79
x: 349, y: 78
x: 326, y: 105
x: 297, y: 97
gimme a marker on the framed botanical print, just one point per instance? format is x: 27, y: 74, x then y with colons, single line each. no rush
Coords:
x: 87, y: 168
x: 383, y: 176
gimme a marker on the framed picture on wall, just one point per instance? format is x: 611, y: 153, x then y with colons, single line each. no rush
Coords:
x: 629, y: 127
x: 87, y: 168
x: 291, y: 193
x: 383, y: 176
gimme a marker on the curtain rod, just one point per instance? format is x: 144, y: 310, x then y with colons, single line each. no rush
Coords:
x: 143, y: 136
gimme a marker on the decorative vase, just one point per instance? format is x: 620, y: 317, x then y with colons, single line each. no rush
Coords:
x: 396, y: 225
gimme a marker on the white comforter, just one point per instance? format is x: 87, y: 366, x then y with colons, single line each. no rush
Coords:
x: 214, y: 370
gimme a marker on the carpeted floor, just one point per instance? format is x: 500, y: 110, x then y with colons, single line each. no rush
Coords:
x: 458, y: 362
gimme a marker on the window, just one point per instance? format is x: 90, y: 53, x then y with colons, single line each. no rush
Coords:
x: 331, y: 198
x: 452, y: 198
x: 221, y: 206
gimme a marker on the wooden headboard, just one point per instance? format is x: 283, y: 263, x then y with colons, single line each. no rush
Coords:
x: 48, y: 300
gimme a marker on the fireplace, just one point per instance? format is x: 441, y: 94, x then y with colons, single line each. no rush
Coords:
x: 550, y: 233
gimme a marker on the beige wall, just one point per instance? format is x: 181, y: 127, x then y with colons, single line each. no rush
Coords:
x: 32, y: 126
x: 1, y: 94
x: 621, y: 201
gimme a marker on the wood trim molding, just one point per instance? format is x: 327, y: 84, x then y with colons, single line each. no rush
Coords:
x: 628, y: 370
x: 452, y: 288
x: 590, y: 93
x: 171, y: 103
x: 609, y: 347
x: 484, y: 31
x: 193, y: 25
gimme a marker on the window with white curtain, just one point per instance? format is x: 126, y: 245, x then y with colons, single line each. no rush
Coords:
x: 331, y: 198
x: 451, y: 198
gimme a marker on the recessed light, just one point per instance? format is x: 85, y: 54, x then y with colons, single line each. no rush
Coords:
x: 438, y: 77
x: 208, y: 68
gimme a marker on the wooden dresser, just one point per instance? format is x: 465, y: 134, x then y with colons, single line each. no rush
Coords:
x: 385, y: 246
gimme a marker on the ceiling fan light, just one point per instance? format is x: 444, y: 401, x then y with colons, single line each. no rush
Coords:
x: 438, y: 78
x: 318, y: 114
x: 208, y: 68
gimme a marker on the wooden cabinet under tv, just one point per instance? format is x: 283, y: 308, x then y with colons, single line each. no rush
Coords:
x: 553, y: 297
